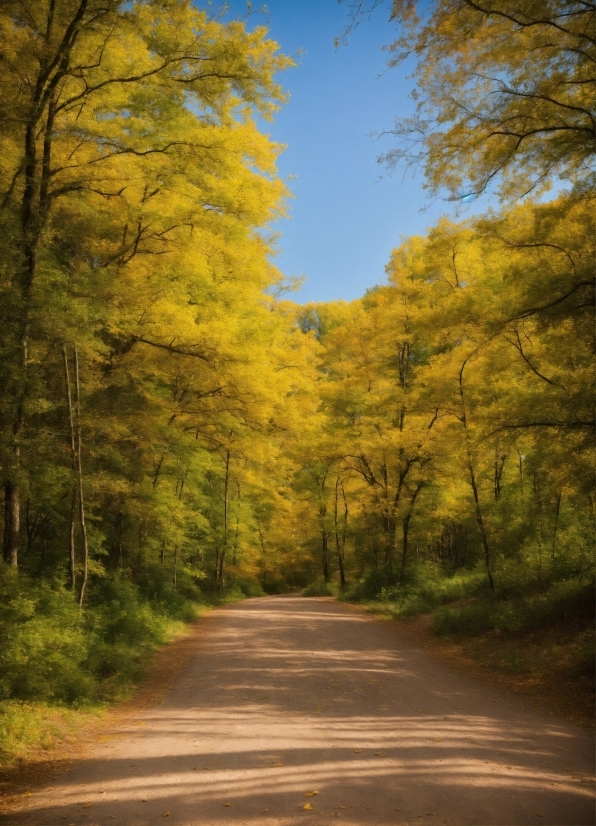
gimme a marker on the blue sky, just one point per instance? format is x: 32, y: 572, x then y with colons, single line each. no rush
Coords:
x: 346, y: 214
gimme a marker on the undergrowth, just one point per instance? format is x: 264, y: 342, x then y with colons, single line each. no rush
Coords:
x: 423, y: 588
x: 59, y: 664
x: 562, y: 602
x: 462, y: 603
x: 320, y: 588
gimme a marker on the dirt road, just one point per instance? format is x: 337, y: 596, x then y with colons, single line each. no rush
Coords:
x: 297, y: 711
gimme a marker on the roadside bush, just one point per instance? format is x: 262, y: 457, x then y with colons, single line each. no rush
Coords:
x: 53, y: 652
x: 319, y: 589
x: 425, y: 587
x: 564, y: 601
x: 250, y: 587
x: 44, y: 645
x: 370, y: 586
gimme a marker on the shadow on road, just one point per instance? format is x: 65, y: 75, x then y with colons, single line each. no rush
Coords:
x: 305, y: 711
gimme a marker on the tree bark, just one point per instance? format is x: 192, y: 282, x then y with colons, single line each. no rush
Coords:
x: 341, y: 541
x: 12, y: 524
x: 556, y: 525
x: 73, y: 453
x: 406, y: 525
x: 222, y: 558
x: 80, y: 472
x: 325, y: 549
x: 474, y: 486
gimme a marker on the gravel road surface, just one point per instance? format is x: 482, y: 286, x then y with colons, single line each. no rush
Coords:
x: 304, y: 712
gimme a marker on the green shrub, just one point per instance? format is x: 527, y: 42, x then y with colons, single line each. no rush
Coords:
x: 53, y: 652
x: 425, y: 587
x: 250, y: 588
x: 44, y: 644
x: 563, y: 601
x: 319, y: 589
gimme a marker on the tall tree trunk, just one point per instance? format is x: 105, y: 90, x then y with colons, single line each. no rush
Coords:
x: 325, y: 549
x: 474, y: 486
x: 340, y: 541
x: 81, y: 492
x: 262, y: 541
x: 12, y: 524
x: 34, y: 210
x: 556, y: 525
x: 222, y: 558
x: 406, y: 525
x: 73, y: 456
x: 480, y: 522
x: 237, y: 532
x: 71, y: 539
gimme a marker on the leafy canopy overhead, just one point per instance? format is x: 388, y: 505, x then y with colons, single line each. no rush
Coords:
x: 506, y: 92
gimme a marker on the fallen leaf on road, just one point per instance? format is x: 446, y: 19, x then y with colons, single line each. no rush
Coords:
x: 227, y: 804
x: 274, y: 765
x: 357, y: 751
x: 310, y: 794
x: 166, y: 814
x: 307, y: 806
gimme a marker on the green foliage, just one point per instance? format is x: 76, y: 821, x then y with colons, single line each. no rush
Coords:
x: 426, y: 587
x: 33, y: 726
x: 45, y: 647
x: 569, y: 602
x: 250, y: 588
x: 320, y: 588
x: 53, y: 652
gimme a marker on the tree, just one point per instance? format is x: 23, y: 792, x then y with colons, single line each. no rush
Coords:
x: 126, y: 120
x: 505, y: 90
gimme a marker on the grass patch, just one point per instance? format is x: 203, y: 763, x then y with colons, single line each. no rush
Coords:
x: 35, y: 728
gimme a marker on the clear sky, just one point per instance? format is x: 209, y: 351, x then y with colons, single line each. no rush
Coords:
x: 346, y: 214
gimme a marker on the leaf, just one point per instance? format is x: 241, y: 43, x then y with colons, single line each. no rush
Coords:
x: 310, y: 794
x: 307, y: 807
